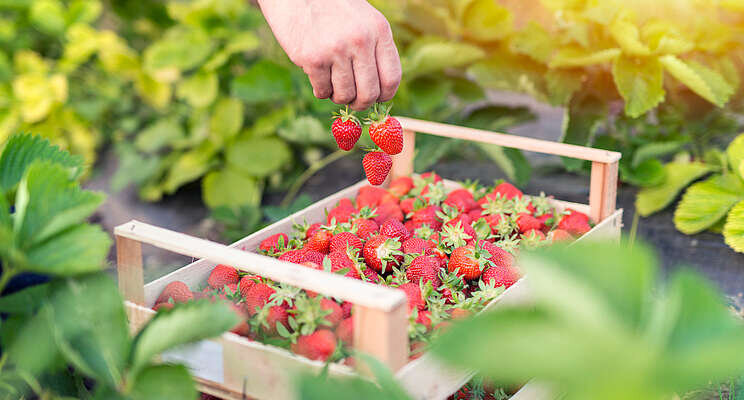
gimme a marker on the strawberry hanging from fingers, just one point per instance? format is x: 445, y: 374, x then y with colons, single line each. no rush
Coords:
x: 385, y: 130
x: 346, y: 129
x: 377, y: 166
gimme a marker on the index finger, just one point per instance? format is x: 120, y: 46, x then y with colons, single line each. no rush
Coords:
x: 388, y: 65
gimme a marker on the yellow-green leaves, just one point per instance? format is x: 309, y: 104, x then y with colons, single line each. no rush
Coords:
x: 180, y: 49
x: 199, y: 90
x: 258, y: 157
x: 486, y: 20
x: 575, y: 56
x: 48, y: 16
x: 733, y: 230
x: 735, y: 155
x: 627, y: 35
x: 702, y: 80
x: 230, y: 187
x: 640, y: 82
x: 38, y: 93
x: 432, y: 56
x: 705, y: 203
x: 678, y: 176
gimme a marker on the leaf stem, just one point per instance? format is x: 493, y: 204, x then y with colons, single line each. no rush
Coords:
x: 6, y: 276
x: 309, y: 172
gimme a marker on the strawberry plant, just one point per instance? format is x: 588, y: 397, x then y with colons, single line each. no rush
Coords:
x: 716, y: 203
x: 69, y: 337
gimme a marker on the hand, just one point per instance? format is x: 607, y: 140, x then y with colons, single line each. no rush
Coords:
x: 345, y: 47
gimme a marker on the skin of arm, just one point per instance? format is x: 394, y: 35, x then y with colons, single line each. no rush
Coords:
x: 345, y: 47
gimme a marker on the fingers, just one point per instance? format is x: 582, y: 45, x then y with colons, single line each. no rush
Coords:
x: 320, y: 79
x: 388, y: 63
x: 342, y: 78
x: 366, y: 78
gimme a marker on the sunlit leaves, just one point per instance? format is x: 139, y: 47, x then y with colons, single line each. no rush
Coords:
x: 678, y: 176
x: 733, y: 230
x: 705, y: 203
x: 258, y: 157
x: 640, y: 82
x: 436, y: 55
x: 702, y: 80
x: 229, y: 187
x: 199, y: 89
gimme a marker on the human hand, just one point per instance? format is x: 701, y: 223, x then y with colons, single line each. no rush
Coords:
x: 345, y: 47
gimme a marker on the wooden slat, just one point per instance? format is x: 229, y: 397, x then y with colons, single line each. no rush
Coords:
x: 403, y: 162
x: 349, y: 289
x: 382, y: 334
x: 602, y: 190
x: 129, y: 269
x: 503, y: 139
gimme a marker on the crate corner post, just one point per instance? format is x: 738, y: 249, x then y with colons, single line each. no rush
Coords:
x: 382, y: 334
x: 129, y: 266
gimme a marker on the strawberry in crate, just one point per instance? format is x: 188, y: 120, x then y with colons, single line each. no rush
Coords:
x: 450, y: 251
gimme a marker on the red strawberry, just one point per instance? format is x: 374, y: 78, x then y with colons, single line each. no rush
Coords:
x: 389, y: 198
x: 385, y: 131
x: 423, y: 318
x: 559, y: 235
x: 340, y: 260
x: 400, y: 186
x: 381, y: 253
x: 336, y: 315
x: 246, y: 282
x: 413, y: 292
x: 416, y: 245
x: 371, y: 276
x: 222, y: 275
x: 476, y: 213
x: 428, y: 216
x: 313, y: 256
x: 493, y: 222
x: 499, y: 256
x: 257, y: 296
x: 526, y: 222
x: 500, y: 275
x: 320, y: 241
x: 341, y: 241
x: 346, y: 129
x: 176, y: 290
x: 294, y: 256
x: 534, y: 234
x: 544, y: 218
x: 386, y: 211
x: 346, y: 307
x: 406, y: 205
x: 431, y: 176
x: 277, y: 315
x: 575, y: 223
x: 469, y: 262
x: 369, y: 196
x: 318, y: 345
x: 424, y: 269
x: 165, y: 306
x: 377, y: 166
x: 274, y: 242
x: 507, y: 190
x: 345, y: 331
x: 365, y: 228
x: 394, y: 229
x: 341, y: 213
x: 438, y: 254
x: 461, y: 199
x: 312, y: 229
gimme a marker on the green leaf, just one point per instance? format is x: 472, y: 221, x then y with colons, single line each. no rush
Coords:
x: 189, y: 166
x: 511, y: 161
x: 648, y: 173
x: 496, y: 118
x: 228, y: 187
x: 226, y: 119
x: 268, y: 124
x: 430, y: 149
x: 702, y: 80
x: 184, y: 323
x: 733, y: 230
x: 91, y: 327
x: 48, y: 16
x: 264, y: 81
x: 485, y: 20
x: 33, y: 349
x: 134, y: 167
x: 655, y: 150
x: 627, y: 35
x: 574, y: 56
x: 199, y: 90
x: 735, y: 154
x: 561, y: 84
x: 581, y: 121
x: 640, y: 82
x: 26, y: 301
x: 533, y: 41
x: 429, y: 92
x: 78, y: 250
x: 164, y: 382
x: 156, y: 94
x: 467, y: 90
x: 259, y: 156
x: 83, y: 11
x: 181, y: 48
x: 241, y: 42
x: 274, y: 213
x: 157, y: 135
x: 305, y: 129
x: 705, y: 203
x: 678, y: 176
x: 431, y: 56
x: 23, y: 149
x: 48, y: 203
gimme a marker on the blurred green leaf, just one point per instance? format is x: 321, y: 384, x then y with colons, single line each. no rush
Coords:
x: 228, y: 187
x: 485, y: 20
x: 702, y: 80
x: 133, y: 167
x: 304, y: 129
x: 735, y: 154
x: 164, y: 382
x: 655, y: 150
x: 189, y: 166
x: 733, y: 230
x: 199, y: 90
x: 581, y: 121
x: 640, y: 82
x: 429, y: 92
x: 258, y: 157
x: 678, y: 176
x: 466, y: 90
x: 159, y: 134
x: 430, y: 56
x: 430, y: 149
x: 511, y: 161
x: 274, y: 213
x: 83, y: 11
x: 184, y: 323
x: 226, y: 120
x: 648, y: 173
x: 496, y: 118
x: 25, y: 301
x: 181, y: 48
x: 23, y: 149
x: 704, y: 203
x: 48, y: 16
x: 264, y: 81
x: 534, y: 41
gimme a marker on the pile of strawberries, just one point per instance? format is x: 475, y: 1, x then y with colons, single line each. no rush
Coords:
x: 384, y: 130
x: 451, y: 252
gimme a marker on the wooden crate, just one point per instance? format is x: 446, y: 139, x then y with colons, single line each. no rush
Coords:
x: 234, y: 367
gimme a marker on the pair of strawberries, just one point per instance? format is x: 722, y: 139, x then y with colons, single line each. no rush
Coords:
x: 384, y: 130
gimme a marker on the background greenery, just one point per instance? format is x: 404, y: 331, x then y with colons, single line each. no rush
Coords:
x: 187, y: 91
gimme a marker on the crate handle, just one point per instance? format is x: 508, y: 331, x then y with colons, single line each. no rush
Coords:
x: 381, y: 310
x: 603, y: 186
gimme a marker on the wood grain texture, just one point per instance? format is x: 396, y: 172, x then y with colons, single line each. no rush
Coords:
x: 129, y: 269
x: 602, y: 190
x: 403, y: 162
x: 382, y: 334
x: 506, y: 140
